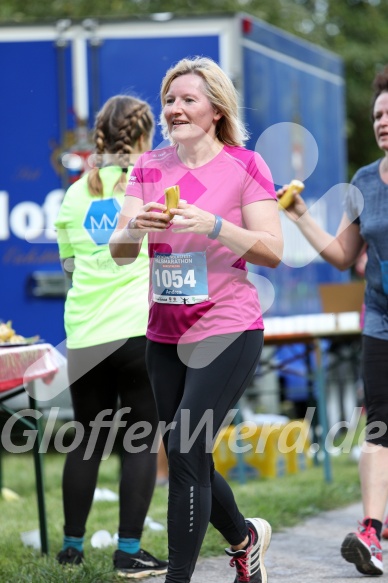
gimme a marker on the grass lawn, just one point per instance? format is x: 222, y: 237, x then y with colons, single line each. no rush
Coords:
x: 282, y: 501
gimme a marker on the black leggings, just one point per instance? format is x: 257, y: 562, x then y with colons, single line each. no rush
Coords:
x: 197, y: 493
x: 375, y: 377
x: 99, y: 376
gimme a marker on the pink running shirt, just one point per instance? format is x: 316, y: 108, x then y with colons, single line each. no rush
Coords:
x: 233, y: 179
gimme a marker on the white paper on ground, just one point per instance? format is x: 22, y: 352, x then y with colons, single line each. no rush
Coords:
x: 104, y: 495
x: 101, y: 539
x: 152, y: 524
x: 31, y: 538
x: 9, y: 495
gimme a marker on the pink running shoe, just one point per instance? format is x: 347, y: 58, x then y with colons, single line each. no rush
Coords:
x: 384, y: 532
x: 363, y: 548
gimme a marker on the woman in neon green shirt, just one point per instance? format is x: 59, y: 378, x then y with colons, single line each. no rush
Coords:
x: 106, y: 314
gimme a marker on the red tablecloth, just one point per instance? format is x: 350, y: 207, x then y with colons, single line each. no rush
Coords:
x: 22, y: 364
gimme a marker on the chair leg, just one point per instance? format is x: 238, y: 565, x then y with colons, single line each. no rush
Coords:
x: 38, y: 462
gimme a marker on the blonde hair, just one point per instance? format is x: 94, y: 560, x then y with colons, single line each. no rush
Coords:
x: 221, y: 93
x: 120, y: 123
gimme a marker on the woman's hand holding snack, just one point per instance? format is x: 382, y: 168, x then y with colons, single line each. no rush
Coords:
x: 293, y: 203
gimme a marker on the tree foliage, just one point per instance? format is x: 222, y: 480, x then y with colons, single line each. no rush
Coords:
x: 354, y: 29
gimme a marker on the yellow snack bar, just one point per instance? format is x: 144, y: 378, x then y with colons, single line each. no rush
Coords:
x: 172, y: 195
x: 287, y: 198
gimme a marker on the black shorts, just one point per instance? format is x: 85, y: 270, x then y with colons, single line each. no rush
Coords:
x: 375, y: 377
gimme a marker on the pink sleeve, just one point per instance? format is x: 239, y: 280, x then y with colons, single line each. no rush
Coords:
x: 135, y: 182
x: 258, y: 184
x: 145, y: 174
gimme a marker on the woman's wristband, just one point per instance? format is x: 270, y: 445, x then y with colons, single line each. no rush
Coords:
x: 217, y: 228
x: 130, y: 227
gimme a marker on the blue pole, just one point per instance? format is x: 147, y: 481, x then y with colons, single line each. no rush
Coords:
x: 322, y: 412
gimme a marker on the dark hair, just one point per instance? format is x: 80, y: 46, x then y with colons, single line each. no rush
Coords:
x: 379, y: 85
x: 119, y: 124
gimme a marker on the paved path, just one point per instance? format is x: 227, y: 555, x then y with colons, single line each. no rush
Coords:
x: 307, y: 553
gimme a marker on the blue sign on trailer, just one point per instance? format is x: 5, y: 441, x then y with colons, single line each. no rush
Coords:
x: 297, y: 89
x: 55, y: 80
x: 122, y: 73
x: 30, y: 185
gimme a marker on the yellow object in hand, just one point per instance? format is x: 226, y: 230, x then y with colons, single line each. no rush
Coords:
x: 287, y: 198
x: 172, y: 196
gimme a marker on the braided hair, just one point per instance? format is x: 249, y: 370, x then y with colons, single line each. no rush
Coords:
x: 119, y: 125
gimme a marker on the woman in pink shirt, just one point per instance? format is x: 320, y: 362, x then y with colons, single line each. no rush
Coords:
x: 205, y: 329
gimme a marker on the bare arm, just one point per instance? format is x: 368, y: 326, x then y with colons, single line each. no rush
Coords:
x: 341, y: 250
x: 135, y: 221
x: 260, y: 243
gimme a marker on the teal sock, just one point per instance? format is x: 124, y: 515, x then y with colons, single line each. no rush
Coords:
x: 73, y: 541
x: 129, y: 545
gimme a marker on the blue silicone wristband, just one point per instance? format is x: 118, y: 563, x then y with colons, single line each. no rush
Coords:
x: 217, y: 228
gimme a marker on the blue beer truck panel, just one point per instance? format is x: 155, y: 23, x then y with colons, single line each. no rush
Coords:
x: 121, y: 72
x: 288, y: 81
x: 30, y: 184
x: 49, y: 100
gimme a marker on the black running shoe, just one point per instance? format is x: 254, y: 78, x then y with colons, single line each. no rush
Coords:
x: 70, y: 556
x: 249, y: 562
x: 138, y: 565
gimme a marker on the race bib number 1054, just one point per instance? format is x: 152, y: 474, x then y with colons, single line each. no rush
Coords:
x: 180, y: 278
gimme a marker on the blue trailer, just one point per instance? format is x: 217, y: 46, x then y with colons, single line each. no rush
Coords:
x: 54, y: 80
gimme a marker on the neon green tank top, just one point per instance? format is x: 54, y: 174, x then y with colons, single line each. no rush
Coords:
x: 106, y: 302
